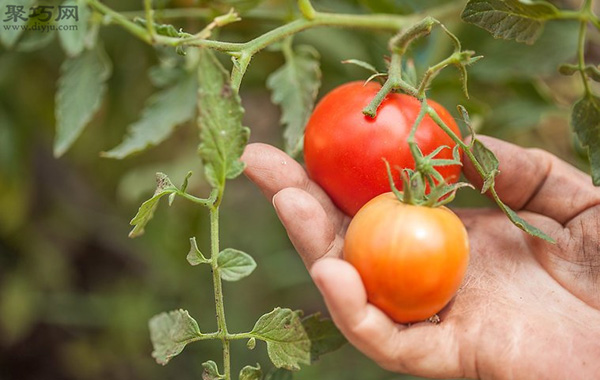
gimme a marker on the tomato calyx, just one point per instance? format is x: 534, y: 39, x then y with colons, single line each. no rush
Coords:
x: 415, y: 184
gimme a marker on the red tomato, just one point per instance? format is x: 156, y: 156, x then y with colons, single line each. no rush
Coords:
x: 343, y: 149
x: 412, y: 259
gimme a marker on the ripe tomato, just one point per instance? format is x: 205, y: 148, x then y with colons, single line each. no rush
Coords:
x: 343, y: 149
x: 412, y: 259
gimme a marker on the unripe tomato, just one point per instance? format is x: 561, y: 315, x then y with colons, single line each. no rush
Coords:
x: 412, y: 259
x: 343, y: 149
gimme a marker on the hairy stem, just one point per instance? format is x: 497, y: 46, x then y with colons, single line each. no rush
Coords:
x: 581, y: 54
x: 218, y: 287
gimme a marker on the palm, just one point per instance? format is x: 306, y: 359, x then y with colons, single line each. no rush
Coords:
x: 508, y: 317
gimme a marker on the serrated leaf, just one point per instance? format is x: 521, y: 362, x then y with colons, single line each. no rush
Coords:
x: 585, y: 121
x: 288, y: 343
x: 488, y: 161
x: 13, y: 27
x: 323, y: 335
x: 73, y: 41
x: 363, y: 64
x: 235, y: 265
x: 164, y: 111
x: 80, y: 90
x: 211, y: 371
x: 170, y: 333
x: 146, y: 210
x: 280, y: 374
x: 251, y: 373
x: 194, y: 256
x: 522, y: 223
x: 222, y: 135
x: 510, y: 19
x: 294, y: 87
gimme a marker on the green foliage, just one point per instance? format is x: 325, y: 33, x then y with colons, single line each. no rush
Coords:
x: 80, y: 90
x: 235, y: 265
x: 9, y: 37
x: 195, y: 257
x: 222, y: 135
x: 294, y: 88
x: 74, y: 42
x: 170, y: 333
x: 586, y: 124
x: 211, y: 371
x: 510, y: 19
x: 251, y: 373
x: 146, y: 211
x: 292, y: 341
x: 164, y: 111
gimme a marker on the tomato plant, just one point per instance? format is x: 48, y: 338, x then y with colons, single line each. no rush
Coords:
x: 344, y: 149
x: 412, y: 259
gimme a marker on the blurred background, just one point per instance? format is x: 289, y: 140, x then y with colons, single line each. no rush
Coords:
x: 76, y: 293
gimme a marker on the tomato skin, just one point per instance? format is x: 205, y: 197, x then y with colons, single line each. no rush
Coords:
x: 411, y: 259
x: 343, y: 149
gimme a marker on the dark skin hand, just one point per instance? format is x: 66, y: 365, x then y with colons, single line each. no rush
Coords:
x: 527, y: 309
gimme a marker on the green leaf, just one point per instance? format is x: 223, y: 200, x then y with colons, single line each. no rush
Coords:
x: 235, y: 265
x: 251, y: 344
x: 294, y: 88
x: 164, y: 111
x: 222, y: 135
x: 521, y: 223
x: 170, y: 333
x: 585, y: 121
x: 195, y: 257
x: 323, y: 335
x: 251, y: 373
x: 80, y: 90
x: 146, y: 210
x: 12, y: 29
x: 288, y: 343
x: 488, y: 161
x: 280, y: 374
x: 32, y: 41
x: 510, y: 19
x: 363, y: 64
x: 211, y: 371
x: 74, y: 41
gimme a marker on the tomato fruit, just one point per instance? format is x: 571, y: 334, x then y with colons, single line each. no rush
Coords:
x: 411, y: 259
x: 343, y: 149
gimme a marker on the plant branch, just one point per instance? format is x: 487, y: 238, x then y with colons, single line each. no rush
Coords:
x: 218, y: 288
x: 149, y: 12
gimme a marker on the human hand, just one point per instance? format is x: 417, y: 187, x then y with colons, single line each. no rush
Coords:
x: 527, y: 309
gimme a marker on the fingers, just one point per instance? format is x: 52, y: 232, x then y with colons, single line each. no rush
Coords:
x: 308, y: 226
x: 535, y: 180
x: 423, y: 349
x: 272, y: 171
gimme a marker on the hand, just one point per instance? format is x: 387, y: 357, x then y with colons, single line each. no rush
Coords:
x: 527, y: 309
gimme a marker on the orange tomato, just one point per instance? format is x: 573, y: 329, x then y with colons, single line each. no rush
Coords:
x: 412, y: 259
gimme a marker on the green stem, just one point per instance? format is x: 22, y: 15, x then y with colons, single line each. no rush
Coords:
x: 119, y: 19
x: 248, y: 49
x: 205, y: 13
x: 149, y: 12
x: 206, y: 202
x: 581, y: 54
x: 218, y: 287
